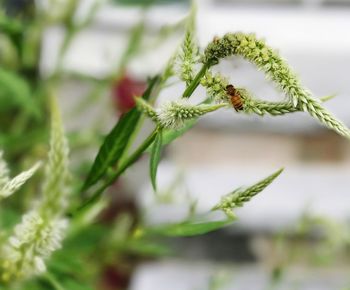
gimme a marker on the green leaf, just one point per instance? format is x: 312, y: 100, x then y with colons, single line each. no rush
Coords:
x: 116, y: 142
x: 146, y: 248
x: 188, y: 228
x: 16, y: 91
x: 114, y: 175
x: 113, y: 147
x: 155, y: 157
x: 169, y: 135
x: 9, y: 25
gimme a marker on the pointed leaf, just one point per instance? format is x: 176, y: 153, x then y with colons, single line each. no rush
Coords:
x: 189, y: 228
x: 170, y: 135
x: 155, y: 157
x: 116, y: 142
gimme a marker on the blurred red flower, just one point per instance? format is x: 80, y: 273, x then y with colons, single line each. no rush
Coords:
x: 124, y: 91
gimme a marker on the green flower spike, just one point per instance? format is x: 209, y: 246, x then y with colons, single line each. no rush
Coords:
x: 42, y: 229
x: 238, y: 197
x: 174, y: 114
x: 7, y: 185
x: 189, y: 54
x: 276, y: 69
x: 216, y: 87
x: 146, y: 108
x: 256, y: 106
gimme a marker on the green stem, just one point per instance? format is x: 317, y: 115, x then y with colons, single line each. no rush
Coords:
x: 53, y: 281
x: 153, y: 97
x: 194, y: 84
x: 119, y: 171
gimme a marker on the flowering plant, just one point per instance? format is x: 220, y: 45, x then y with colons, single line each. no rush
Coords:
x: 65, y: 212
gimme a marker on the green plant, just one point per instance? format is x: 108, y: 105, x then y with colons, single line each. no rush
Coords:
x: 68, y: 207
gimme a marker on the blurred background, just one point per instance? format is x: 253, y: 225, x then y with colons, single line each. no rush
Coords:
x: 294, y: 235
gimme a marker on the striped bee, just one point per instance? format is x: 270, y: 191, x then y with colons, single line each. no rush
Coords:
x: 236, y: 99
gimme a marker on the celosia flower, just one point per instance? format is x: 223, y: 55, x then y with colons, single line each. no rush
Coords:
x: 189, y: 50
x: 276, y: 69
x: 215, y: 86
x: 15, y: 183
x: 240, y: 196
x: 42, y: 229
x: 174, y: 114
x: 34, y: 240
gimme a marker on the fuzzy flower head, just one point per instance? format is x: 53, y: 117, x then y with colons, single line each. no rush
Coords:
x: 7, y: 185
x: 15, y: 183
x: 42, y: 229
x: 216, y: 87
x: 174, y: 114
x: 33, y: 241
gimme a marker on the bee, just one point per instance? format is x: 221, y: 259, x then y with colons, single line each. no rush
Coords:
x: 236, y: 98
x: 216, y: 39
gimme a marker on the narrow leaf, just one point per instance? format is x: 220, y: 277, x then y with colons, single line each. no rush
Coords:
x: 187, y: 229
x: 116, y: 142
x: 113, y: 177
x: 169, y: 135
x: 155, y: 157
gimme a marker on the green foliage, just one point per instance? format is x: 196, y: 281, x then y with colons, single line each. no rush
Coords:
x: 91, y: 243
x: 155, y: 157
x: 116, y: 142
x: 170, y: 135
x: 113, y: 147
x: 188, y: 228
x: 9, y: 25
x: 148, y: 2
x: 115, y: 174
x: 14, y: 90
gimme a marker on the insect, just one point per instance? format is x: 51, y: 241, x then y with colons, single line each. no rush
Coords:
x: 236, y: 98
x: 216, y: 39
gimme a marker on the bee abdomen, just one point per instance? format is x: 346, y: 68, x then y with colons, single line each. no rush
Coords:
x: 237, y: 103
x: 236, y: 99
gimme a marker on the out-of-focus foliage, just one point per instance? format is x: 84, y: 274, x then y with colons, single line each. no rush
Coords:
x: 103, y: 236
x: 149, y: 2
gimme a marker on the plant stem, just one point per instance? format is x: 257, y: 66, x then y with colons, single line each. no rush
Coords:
x: 53, y: 281
x: 119, y: 171
x: 194, y: 84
